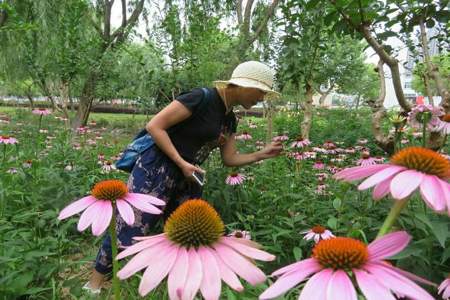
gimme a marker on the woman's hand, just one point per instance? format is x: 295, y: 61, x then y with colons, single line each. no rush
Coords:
x: 188, y: 169
x: 271, y: 150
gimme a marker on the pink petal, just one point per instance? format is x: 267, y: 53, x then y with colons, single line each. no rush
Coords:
x: 306, y: 263
x: 316, y: 287
x: 370, y: 286
x: 403, y: 184
x: 381, y: 189
x: 194, y: 276
x: 125, y: 211
x: 356, y: 173
x: 142, y: 245
x: 445, y: 186
x: 178, y: 274
x: 149, y: 237
x: 388, y: 245
x: 144, y: 198
x: 408, y: 274
x: 379, y: 177
x: 103, y: 219
x: 246, y: 250
x: 141, y: 204
x: 246, y: 242
x: 76, y: 207
x: 432, y: 193
x: 239, y: 264
x: 211, y: 283
x: 89, y: 215
x: 156, y: 272
x: 341, y: 287
x: 289, y: 280
x: 227, y: 275
x: 397, y: 282
x: 146, y: 257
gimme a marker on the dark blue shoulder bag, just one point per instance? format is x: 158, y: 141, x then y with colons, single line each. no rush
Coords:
x: 143, y: 141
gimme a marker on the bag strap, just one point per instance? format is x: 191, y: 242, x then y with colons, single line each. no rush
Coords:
x: 203, y: 103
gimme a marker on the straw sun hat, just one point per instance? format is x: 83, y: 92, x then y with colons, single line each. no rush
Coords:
x: 252, y: 74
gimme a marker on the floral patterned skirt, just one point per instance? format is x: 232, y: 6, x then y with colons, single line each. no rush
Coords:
x: 154, y: 174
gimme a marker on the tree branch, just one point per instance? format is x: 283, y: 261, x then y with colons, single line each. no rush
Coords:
x: 3, y: 17
x: 124, y: 13
x: 107, y: 20
x: 378, y: 112
x: 120, y: 34
x: 239, y: 11
x: 263, y: 24
x: 245, y: 28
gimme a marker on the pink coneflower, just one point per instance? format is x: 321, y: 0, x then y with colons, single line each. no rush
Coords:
x: 101, y: 156
x: 297, y: 155
x: 82, y: 130
x: 235, y: 179
x: 245, y: 136
x: 404, y: 141
x: 41, y: 111
x: 43, y: 130
x: 339, y: 263
x: 416, y: 116
x: 253, y: 126
x: 362, y: 141
x: 350, y: 150
x: 444, y: 124
x: 329, y: 145
x: 409, y: 169
x: 366, y: 160
x: 194, y: 255
x: 444, y: 288
x: 300, y: 143
x: 318, y: 165
x: 27, y: 164
x: 280, y: 138
x: 6, y: 139
x: 322, y: 176
x: 91, y: 142
x: 12, y: 171
x: 319, y: 150
x: 259, y: 145
x: 310, y: 154
x: 76, y: 146
x: 321, y: 188
x: 98, y: 207
x: 107, y: 166
x: 333, y: 169
x: 241, y: 234
x: 317, y: 233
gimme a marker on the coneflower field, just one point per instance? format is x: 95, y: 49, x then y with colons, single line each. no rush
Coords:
x: 333, y: 210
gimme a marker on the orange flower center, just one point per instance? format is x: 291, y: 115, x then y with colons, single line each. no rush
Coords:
x: 423, y: 160
x: 318, y: 229
x: 446, y: 118
x: 194, y: 223
x: 365, y: 155
x: 234, y: 174
x: 341, y: 253
x: 5, y: 137
x: 110, y: 190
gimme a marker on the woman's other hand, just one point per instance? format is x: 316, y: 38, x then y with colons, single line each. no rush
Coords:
x: 271, y: 150
x: 188, y: 169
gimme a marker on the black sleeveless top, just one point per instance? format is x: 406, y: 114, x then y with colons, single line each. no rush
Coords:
x: 195, y: 137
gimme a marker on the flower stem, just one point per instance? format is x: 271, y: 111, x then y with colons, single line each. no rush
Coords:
x: 392, y: 216
x: 426, y: 119
x: 112, y: 231
x: 40, y: 121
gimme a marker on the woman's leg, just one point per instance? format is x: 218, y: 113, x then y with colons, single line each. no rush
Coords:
x: 152, y: 175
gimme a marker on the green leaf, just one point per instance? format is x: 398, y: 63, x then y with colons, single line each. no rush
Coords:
x: 297, y: 253
x: 440, y: 230
x: 332, y: 223
x: 337, y: 203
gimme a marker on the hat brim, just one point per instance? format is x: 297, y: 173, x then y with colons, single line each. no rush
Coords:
x: 243, y: 82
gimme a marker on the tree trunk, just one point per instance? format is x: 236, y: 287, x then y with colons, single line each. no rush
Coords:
x: 426, y: 83
x: 386, y: 143
x: 358, y: 99
x: 30, y: 98
x: 433, y: 70
x: 305, y: 126
x: 269, y: 115
x: 85, y: 103
x: 64, y: 91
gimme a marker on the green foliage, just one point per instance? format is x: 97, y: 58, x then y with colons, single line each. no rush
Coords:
x: 43, y: 258
x: 443, y: 63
